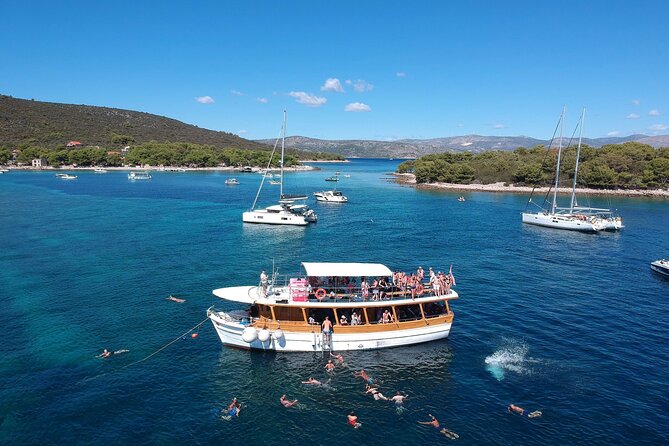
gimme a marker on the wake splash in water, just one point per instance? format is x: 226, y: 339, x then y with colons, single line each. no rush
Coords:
x: 509, y: 358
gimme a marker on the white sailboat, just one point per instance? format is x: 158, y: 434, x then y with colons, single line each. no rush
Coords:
x: 286, y: 212
x: 572, y: 218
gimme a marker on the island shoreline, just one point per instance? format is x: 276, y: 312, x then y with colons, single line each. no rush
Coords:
x: 409, y: 179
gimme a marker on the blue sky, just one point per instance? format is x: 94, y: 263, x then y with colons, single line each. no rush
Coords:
x: 350, y: 69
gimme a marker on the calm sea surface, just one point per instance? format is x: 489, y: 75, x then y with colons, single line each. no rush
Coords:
x: 571, y: 324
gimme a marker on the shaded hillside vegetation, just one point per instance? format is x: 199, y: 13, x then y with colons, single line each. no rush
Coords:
x: 622, y: 166
x: 51, y: 125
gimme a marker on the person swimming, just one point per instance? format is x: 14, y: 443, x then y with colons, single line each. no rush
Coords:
x: 353, y: 420
x: 433, y: 422
x: 375, y: 393
x: 512, y: 408
x: 398, y: 399
x: 312, y: 381
x: 338, y: 357
x: 286, y: 402
x: 106, y: 353
x: 329, y: 366
x: 362, y: 374
x: 175, y: 299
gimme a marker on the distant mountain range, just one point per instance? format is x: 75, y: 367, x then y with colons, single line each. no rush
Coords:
x: 413, y: 148
x: 53, y: 125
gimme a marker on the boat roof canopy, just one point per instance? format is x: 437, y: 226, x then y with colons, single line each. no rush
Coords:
x: 346, y: 269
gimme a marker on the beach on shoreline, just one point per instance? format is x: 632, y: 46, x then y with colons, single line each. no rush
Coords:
x: 410, y: 180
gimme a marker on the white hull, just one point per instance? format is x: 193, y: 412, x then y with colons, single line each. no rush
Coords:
x: 659, y: 267
x: 558, y: 221
x: 611, y: 224
x: 230, y: 333
x: 261, y: 216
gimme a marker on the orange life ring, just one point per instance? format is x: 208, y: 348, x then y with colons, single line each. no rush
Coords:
x: 419, y: 289
x: 320, y: 294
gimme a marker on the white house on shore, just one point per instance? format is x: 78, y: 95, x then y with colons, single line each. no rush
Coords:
x: 38, y: 163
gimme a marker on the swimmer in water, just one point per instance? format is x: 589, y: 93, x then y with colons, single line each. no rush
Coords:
x: 338, y: 357
x: 287, y: 403
x: 312, y: 381
x: 329, y: 366
x: 375, y: 393
x: 433, y: 422
x: 175, y: 299
x: 362, y: 374
x: 105, y: 354
x: 512, y: 408
x: 398, y: 399
x: 353, y: 420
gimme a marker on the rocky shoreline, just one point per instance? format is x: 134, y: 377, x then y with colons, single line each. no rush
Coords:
x: 159, y: 168
x: 410, y: 180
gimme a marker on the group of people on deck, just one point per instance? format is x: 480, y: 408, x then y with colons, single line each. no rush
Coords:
x: 380, y: 288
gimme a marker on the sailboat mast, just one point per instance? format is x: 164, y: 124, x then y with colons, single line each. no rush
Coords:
x: 578, y: 156
x: 283, y: 145
x: 557, y: 168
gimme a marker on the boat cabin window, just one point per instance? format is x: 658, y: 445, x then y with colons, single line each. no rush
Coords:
x: 291, y: 314
x: 264, y: 311
x: 320, y: 313
x: 434, y: 309
x: 408, y: 313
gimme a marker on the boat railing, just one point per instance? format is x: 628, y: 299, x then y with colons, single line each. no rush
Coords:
x: 299, y: 290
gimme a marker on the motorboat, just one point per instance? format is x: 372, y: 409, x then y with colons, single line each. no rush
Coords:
x: 66, y: 176
x: 287, y: 211
x: 100, y: 170
x: 232, y: 181
x: 660, y: 266
x: 4, y: 171
x: 461, y: 199
x: 334, y: 178
x: 139, y: 176
x: 331, y: 196
x: 285, y: 312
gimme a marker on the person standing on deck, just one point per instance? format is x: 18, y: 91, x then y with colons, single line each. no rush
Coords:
x: 263, y: 282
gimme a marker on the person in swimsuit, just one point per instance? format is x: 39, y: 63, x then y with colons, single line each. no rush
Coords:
x: 433, y: 422
x: 398, y: 399
x: 362, y: 374
x: 353, y: 420
x: 338, y: 357
x: 105, y: 354
x: 287, y: 403
x: 329, y: 366
x: 512, y: 408
x: 312, y: 381
x: 327, y: 329
x: 375, y: 393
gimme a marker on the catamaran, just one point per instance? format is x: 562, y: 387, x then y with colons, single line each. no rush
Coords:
x: 574, y: 217
x: 287, y: 212
x: 286, y: 312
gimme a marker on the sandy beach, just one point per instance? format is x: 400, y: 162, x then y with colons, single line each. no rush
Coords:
x: 410, y: 179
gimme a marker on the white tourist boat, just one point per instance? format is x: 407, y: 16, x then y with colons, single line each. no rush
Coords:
x: 3, y: 171
x: 66, y: 176
x: 331, y: 196
x: 287, y: 211
x: 660, y: 266
x: 286, y: 314
x: 574, y: 217
x: 139, y: 176
x: 99, y: 170
x: 232, y: 181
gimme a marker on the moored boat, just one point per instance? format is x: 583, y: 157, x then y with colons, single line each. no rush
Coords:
x: 66, y: 176
x: 331, y: 196
x: 660, y: 266
x: 285, y: 313
x: 139, y: 176
x: 99, y: 170
x: 232, y: 181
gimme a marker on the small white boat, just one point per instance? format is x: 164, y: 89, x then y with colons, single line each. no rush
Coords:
x: 99, y: 170
x: 331, y: 196
x: 232, y: 182
x: 660, y: 266
x: 4, y: 171
x: 66, y: 176
x: 275, y: 182
x: 347, y: 176
x: 139, y: 176
x: 461, y: 198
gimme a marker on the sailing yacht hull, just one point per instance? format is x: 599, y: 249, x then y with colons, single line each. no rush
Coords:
x: 274, y: 218
x: 558, y: 221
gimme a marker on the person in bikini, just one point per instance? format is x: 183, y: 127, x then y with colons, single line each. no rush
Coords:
x: 375, y: 393
x: 512, y: 408
x: 353, y: 420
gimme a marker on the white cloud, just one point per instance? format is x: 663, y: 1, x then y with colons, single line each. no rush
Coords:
x: 308, y: 99
x: 632, y: 116
x: 658, y: 128
x: 400, y: 74
x: 613, y: 133
x: 357, y: 107
x: 499, y: 126
x: 262, y: 100
x: 237, y: 93
x: 654, y: 112
x: 460, y: 125
x: 332, y: 84
x: 360, y: 85
x: 636, y: 101
x: 205, y: 99
x: 241, y: 132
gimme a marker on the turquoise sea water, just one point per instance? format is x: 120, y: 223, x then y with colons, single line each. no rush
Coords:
x: 574, y: 325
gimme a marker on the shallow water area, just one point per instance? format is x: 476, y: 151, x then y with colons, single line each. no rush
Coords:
x: 570, y: 324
